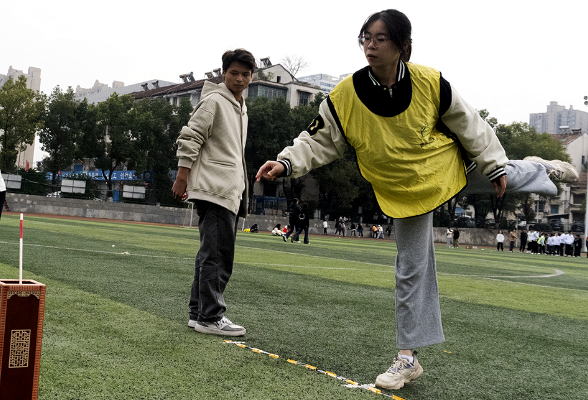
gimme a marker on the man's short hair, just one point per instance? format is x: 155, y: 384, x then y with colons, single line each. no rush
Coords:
x: 241, y: 56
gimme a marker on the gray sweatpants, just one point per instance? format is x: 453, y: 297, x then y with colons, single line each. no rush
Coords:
x: 418, y: 314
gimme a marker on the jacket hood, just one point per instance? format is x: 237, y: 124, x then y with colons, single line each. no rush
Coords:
x: 220, y: 88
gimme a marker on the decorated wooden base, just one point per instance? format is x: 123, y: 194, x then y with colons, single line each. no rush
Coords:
x: 22, y: 307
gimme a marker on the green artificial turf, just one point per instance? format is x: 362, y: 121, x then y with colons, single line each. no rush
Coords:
x: 116, y: 317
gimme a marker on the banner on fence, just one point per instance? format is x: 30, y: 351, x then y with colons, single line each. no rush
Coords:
x: 97, y: 175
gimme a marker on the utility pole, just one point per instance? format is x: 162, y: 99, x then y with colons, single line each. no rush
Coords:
x: 586, y: 217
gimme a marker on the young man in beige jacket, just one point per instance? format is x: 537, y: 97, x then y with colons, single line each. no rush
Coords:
x: 212, y: 173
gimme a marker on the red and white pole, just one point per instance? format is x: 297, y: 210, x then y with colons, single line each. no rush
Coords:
x: 20, y: 255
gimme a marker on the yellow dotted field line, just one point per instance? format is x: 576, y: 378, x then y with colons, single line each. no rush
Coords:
x: 313, y: 368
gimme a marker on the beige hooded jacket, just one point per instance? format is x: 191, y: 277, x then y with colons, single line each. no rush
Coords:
x: 212, y: 145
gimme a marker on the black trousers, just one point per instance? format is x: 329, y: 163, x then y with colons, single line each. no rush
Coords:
x: 2, y: 198
x: 499, y: 246
x: 214, y: 261
x: 523, y: 244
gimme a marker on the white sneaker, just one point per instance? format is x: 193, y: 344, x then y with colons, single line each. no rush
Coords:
x: 224, y: 327
x: 192, y: 323
x: 561, y: 170
x: 402, y: 371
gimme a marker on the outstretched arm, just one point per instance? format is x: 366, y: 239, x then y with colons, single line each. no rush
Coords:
x: 475, y: 135
x: 320, y: 144
x: 270, y: 171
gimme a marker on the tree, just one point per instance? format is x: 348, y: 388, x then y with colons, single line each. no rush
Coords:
x: 294, y: 64
x: 519, y: 140
x: 122, y: 135
x: 343, y: 189
x: 269, y: 131
x: 61, y: 131
x: 161, y: 158
x: 20, y: 119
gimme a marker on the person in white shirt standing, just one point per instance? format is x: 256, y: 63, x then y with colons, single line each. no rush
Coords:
x: 500, y: 241
x: 569, y: 244
x: 449, y: 237
x: 556, y: 242
x: 562, y: 243
x: 2, y: 193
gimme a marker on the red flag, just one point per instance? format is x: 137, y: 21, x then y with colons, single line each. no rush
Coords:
x: 27, y: 167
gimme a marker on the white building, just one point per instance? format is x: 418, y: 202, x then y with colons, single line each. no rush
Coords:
x: 558, y: 116
x: 567, y: 205
x: 99, y: 92
x: 34, y: 83
x: 270, y: 81
x: 324, y: 81
x: 33, y: 77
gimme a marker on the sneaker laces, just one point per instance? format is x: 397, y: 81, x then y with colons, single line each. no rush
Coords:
x: 398, y: 364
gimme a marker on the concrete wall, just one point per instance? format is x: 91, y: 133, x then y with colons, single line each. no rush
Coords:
x: 24, y: 203
x: 175, y: 216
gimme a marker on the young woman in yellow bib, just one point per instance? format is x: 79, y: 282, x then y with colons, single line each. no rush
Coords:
x: 419, y: 144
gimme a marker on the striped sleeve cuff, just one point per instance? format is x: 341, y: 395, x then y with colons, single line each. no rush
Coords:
x: 287, y: 166
x: 470, y: 167
x: 496, y: 174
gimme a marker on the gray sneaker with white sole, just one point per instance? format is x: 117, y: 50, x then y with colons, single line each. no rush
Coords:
x: 224, y: 327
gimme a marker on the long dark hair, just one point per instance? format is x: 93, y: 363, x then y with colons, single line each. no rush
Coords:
x: 399, y: 29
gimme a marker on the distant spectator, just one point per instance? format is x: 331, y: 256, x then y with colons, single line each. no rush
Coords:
x: 302, y: 224
x: 513, y: 239
x: 254, y: 228
x: 500, y: 241
x: 352, y: 229
x: 2, y: 193
x: 523, y: 241
x: 292, y: 219
x: 359, y: 230
x: 449, y: 237
x: 577, y: 246
x: 455, y: 238
x: 325, y: 226
x: 569, y: 244
x: 277, y: 231
x: 541, y: 243
x: 380, y: 232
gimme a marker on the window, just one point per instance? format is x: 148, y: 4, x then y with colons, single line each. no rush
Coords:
x: 258, y: 90
x: 195, y: 98
x: 540, y: 206
x: 303, y: 98
x: 555, y: 208
x: 278, y: 78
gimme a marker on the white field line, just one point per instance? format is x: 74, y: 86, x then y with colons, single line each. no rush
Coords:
x: 101, y: 251
x: 493, y: 278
